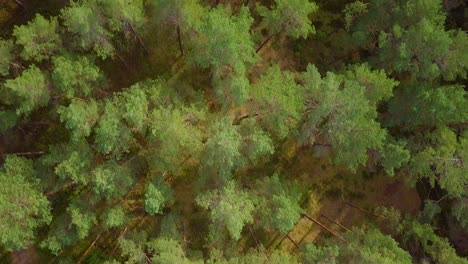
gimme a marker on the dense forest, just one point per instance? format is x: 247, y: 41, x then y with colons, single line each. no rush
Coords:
x: 233, y: 131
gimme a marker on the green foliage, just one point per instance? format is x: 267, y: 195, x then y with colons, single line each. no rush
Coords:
x: 222, y: 151
x: 135, y: 107
x: 257, y: 144
x: 95, y: 23
x: 174, y: 139
x: 40, y: 38
x: 111, y: 180
x: 114, y: 217
x: 82, y: 220
x: 411, y: 38
x: 279, y: 204
x: 111, y: 135
x: 423, y: 104
x: 353, y: 10
x: 225, y: 46
x: 289, y: 16
x: 79, y: 117
x: 6, y: 53
x: 75, y: 76
x: 394, y: 155
x: 320, y: 255
x: 438, y: 248
x: 440, y: 160
x: 70, y: 161
x: 230, y: 209
x: 278, y: 100
x: 27, y: 92
x: 167, y: 251
x: 158, y: 195
x: 340, y: 111
x: 23, y: 207
x: 8, y: 120
x: 185, y: 14
x: 371, y: 246
x: 459, y: 210
x: 455, y: 63
x: 378, y: 87
x: 132, y: 247
x: 431, y: 209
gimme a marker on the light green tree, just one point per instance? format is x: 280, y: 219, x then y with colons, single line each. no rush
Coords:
x: 226, y: 48
x: 440, y: 159
x: 158, y: 195
x: 96, y: 23
x: 230, y: 209
x: 75, y: 76
x: 167, y: 251
x: 278, y: 101
x: 111, y: 180
x: 290, y: 17
x: 27, y: 92
x: 39, y: 38
x: 23, y: 207
x: 114, y: 217
x: 79, y: 117
x: 173, y: 138
x: 279, y: 204
x: 221, y: 154
x: 340, y: 111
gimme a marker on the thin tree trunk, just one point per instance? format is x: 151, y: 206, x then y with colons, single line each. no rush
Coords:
x: 89, y: 249
x: 117, y: 244
x: 335, y: 222
x: 265, y: 42
x: 324, y: 227
x: 290, y: 239
x: 179, y: 39
x: 139, y: 39
x: 364, y: 210
x: 30, y: 153
x: 20, y: 3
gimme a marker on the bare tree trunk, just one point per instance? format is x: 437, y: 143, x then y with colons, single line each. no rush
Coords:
x: 30, y: 153
x: 335, y: 222
x: 290, y: 239
x: 20, y: 3
x: 265, y: 42
x: 179, y: 39
x: 89, y: 249
x: 364, y: 210
x: 324, y: 227
x: 139, y: 39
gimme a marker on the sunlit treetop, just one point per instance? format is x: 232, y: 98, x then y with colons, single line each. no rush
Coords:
x: 289, y: 16
x: 39, y: 38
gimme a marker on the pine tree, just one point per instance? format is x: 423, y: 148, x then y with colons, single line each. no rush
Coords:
x: 226, y: 48
x: 6, y: 53
x: 278, y: 101
x: 27, y: 92
x: 39, y: 38
x: 75, y: 76
x: 23, y: 207
x: 230, y: 209
x: 340, y: 111
x: 79, y: 117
